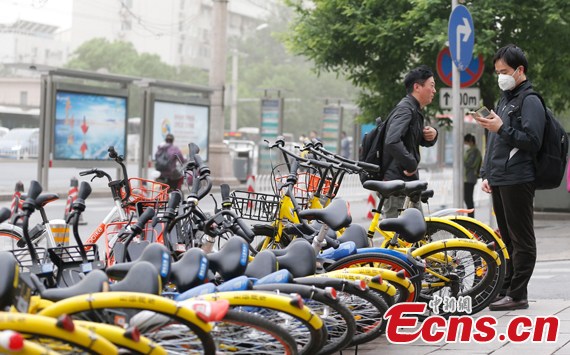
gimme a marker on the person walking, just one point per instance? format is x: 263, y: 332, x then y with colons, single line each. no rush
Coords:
x: 166, y: 157
x: 472, y: 164
x: 508, y: 172
x: 345, y: 145
x: 406, y: 132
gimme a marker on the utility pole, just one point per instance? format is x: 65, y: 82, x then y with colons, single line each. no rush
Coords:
x: 219, y: 154
x: 234, y: 96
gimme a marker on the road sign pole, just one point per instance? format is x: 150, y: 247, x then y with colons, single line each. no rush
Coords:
x: 457, y: 130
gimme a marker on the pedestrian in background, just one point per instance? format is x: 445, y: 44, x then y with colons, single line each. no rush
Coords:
x: 508, y: 172
x: 472, y: 163
x: 166, y: 159
x: 405, y: 132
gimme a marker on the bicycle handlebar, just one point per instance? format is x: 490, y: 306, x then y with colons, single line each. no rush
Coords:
x: 98, y: 174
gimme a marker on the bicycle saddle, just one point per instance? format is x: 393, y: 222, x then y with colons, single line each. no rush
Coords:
x: 232, y: 260
x: 357, y: 234
x: 9, y: 266
x: 264, y: 263
x: 155, y: 253
x: 410, y: 225
x: 143, y: 277
x: 298, y: 257
x: 93, y: 282
x: 336, y: 215
x: 4, y: 214
x: 42, y: 199
x: 414, y: 188
x: 384, y: 188
x: 190, y: 270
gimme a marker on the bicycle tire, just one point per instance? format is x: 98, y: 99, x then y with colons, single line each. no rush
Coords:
x: 338, y: 319
x: 366, y: 306
x: 249, y: 333
x: 117, y: 307
x: 480, y: 233
x: 485, y: 286
x: 379, y: 260
x: 118, y: 336
x: 45, y: 331
x: 303, y: 324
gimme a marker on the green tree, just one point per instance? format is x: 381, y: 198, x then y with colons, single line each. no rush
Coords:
x: 375, y: 42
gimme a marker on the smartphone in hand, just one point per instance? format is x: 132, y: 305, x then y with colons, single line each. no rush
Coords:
x: 483, y: 112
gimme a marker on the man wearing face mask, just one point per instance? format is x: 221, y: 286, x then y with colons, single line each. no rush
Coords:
x: 515, y: 136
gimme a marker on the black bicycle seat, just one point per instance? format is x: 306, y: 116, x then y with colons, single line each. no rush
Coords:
x: 384, y: 188
x: 410, y: 225
x: 262, y: 265
x: 357, y: 234
x: 335, y: 215
x: 232, y: 260
x: 190, y: 270
x: 93, y: 282
x: 415, y: 187
x: 299, y: 258
x: 143, y: 277
x: 155, y: 253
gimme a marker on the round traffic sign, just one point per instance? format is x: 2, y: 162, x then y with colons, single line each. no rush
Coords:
x: 461, y: 36
x: 468, y: 77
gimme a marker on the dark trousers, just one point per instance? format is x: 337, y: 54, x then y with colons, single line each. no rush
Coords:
x: 468, y: 188
x: 513, y: 206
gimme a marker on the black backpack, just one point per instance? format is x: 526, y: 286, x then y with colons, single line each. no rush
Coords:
x: 550, y: 161
x: 371, y: 150
x: 162, y: 161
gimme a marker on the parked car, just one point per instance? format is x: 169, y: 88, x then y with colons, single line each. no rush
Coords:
x: 3, y: 131
x: 20, y: 143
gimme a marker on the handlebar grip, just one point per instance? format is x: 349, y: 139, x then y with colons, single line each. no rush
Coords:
x: 193, y: 149
x: 351, y: 167
x: 368, y: 166
x: 321, y: 164
x: 35, y: 190
x: 84, y: 190
x: 145, y: 217
x: 112, y: 152
x: 173, y: 200
x: 225, y: 191
x: 87, y: 172
x: 4, y: 214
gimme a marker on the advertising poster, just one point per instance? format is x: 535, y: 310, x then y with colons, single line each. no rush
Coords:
x: 188, y: 123
x: 332, y: 121
x: 87, y: 124
x: 271, y: 118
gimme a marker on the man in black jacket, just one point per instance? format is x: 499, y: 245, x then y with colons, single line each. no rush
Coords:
x: 406, y: 132
x: 515, y: 136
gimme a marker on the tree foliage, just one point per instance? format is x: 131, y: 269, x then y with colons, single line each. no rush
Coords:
x: 375, y: 42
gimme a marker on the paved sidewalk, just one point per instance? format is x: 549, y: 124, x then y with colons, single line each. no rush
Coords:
x: 543, y: 307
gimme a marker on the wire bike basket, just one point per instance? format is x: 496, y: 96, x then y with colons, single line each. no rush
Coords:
x: 143, y: 190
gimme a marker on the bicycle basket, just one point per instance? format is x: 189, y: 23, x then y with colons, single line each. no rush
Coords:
x: 146, y: 190
x: 25, y: 259
x: 255, y: 206
x: 307, y: 183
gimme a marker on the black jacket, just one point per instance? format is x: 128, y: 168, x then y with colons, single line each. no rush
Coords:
x: 404, y: 135
x: 510, y: 151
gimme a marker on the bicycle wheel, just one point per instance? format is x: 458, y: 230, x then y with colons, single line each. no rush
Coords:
x: 379, y: 260
x: 480, y: 233
x: 302, y: 323
x: 338, y: 320
x: 48, y: 332
x: 248, y: 333
x: 176, y: 328
x: 9, y: 237
x: 454, y: 271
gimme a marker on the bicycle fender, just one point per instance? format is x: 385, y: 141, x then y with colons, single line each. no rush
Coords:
x: 450, y: 223
x: 451, y: 243
x: 391, y: 252
x: 498, y: 240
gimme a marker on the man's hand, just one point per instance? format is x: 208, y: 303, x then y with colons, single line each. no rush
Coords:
x: 429, y: 133
x: 485, y: 186
x: 410, y: 173
x: 492, y: 122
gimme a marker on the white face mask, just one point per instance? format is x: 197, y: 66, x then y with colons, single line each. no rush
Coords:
x: 466, y: 146
x: 507, y: 82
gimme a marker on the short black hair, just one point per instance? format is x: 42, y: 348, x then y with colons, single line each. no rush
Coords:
x: 513, y: 56
x: 469, y: 138
x: 169, y: 138
x: 418, y: 75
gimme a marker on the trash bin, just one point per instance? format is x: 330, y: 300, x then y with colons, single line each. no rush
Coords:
x: 242, y: 165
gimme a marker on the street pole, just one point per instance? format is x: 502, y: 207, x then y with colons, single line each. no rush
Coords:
x: 219, y: 155
x: 457, y: 113
x: 233, y: 112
